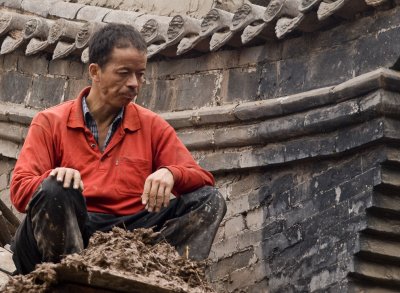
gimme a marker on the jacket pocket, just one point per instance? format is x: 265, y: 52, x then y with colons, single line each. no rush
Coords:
x: 131, y: 174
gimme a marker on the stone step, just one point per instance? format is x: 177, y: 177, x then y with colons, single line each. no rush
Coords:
x: 391, y: 177
x: 381, y: 249
x: 387, y: 201
x: 358, y: 288
x: 378, y: 273
x: 393, y: 155
x: 384, y: 225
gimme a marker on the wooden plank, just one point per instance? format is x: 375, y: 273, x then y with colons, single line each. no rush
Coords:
x: 67, y: 288
x: 5, y: 234
x: 9, y: 215
x: 114, y: 281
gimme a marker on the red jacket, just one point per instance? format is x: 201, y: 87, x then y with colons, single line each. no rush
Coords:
x: 114, y: 179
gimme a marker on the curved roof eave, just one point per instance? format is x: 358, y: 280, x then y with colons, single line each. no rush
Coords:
x: 64, y: 28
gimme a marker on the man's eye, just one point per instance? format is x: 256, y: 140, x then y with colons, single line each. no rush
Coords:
x: 123, y: 72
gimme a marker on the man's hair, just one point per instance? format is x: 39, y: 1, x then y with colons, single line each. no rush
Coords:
x: 112, y: 36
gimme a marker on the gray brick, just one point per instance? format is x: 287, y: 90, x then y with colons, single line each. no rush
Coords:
x: 6, y: 165
x: 240, y: 84
x: 249, y: 238
x: 236, y: 261
x: 307, y: 100
x: 269, y: 86
x: 68, y: 68
x: 339, y: 60
x: 12, y: 132
x: 224, y: 248
x: 255, y: 219
x: 273, y: 228
x: 198, y: 139
x: 246, y: 277
x: 291, y: 78
x: 164, y: 96
x: 238, y: 205
x: 213, y: 61
x: 259, y: 287
x: 216, y: 115
x: 11, y: 61
x: 244, y: 135
x: 377, y: 50
x: 359, y: 135
x: 74, y: 87
x: 246, y: 183
x: 15, y: 87
x: 271, y: 154
x: 271, y: 51
x: 37, y: 65
x: 233, y: 226
x: 9, y: 149
x: 4, y: 181
x: 46, y: 92
x: 280, y: 127
x: 258, y: 109
x: 220, y: 161
x: 193, y: 92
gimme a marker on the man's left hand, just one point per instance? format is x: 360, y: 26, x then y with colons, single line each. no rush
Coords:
x: 157, y: 190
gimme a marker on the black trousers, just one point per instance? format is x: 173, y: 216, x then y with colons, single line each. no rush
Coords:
x: 57, y: 223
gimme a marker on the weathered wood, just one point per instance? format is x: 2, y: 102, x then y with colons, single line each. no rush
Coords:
x: 109, y: 281
x: 8, y: 214
x: 66, y: 288
x: 5, y: 234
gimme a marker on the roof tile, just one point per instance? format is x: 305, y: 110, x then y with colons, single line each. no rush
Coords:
x: 65, y: 10
x: 70, y: 25
x: 92, y: 13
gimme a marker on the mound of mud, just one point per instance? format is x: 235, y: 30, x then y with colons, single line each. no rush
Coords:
x: 121, y: 257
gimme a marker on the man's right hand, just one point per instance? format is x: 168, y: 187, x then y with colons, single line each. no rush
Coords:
x: 68, y: 176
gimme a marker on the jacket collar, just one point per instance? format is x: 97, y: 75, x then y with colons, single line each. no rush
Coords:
x: 130, y: 121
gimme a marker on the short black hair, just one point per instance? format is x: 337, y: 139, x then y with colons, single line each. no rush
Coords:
x: 114, y: 35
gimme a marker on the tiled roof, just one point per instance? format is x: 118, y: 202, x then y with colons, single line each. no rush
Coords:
x: 64, y: 28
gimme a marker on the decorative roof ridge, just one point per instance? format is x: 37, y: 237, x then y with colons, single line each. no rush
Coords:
x: 66, y: 27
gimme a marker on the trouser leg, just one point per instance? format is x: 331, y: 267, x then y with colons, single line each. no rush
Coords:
x: 53, y: 226
x: 196, y: 221
x: 191, y: 220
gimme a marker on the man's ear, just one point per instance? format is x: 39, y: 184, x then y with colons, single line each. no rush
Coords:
x: 94, y: 72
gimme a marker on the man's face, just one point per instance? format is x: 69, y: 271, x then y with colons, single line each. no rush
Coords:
x: 120, y: 79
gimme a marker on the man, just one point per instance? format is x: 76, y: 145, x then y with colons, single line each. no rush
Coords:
x: 101, y: 161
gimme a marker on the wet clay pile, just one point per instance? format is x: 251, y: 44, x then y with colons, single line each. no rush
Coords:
x: 123, y: 253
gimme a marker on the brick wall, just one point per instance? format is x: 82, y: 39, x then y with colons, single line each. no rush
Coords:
x: 6, y: 167
x: 301, y: 136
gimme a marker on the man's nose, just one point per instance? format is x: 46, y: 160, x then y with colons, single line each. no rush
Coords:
x: 132, y: 81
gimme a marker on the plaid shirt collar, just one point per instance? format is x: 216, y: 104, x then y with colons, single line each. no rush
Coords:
x: 91, y: 123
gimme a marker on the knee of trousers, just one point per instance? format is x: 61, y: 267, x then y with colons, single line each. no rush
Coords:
x: 215, y: 202
x: 50, y: 190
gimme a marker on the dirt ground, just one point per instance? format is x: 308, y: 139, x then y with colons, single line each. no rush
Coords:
x: 131, y: 254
